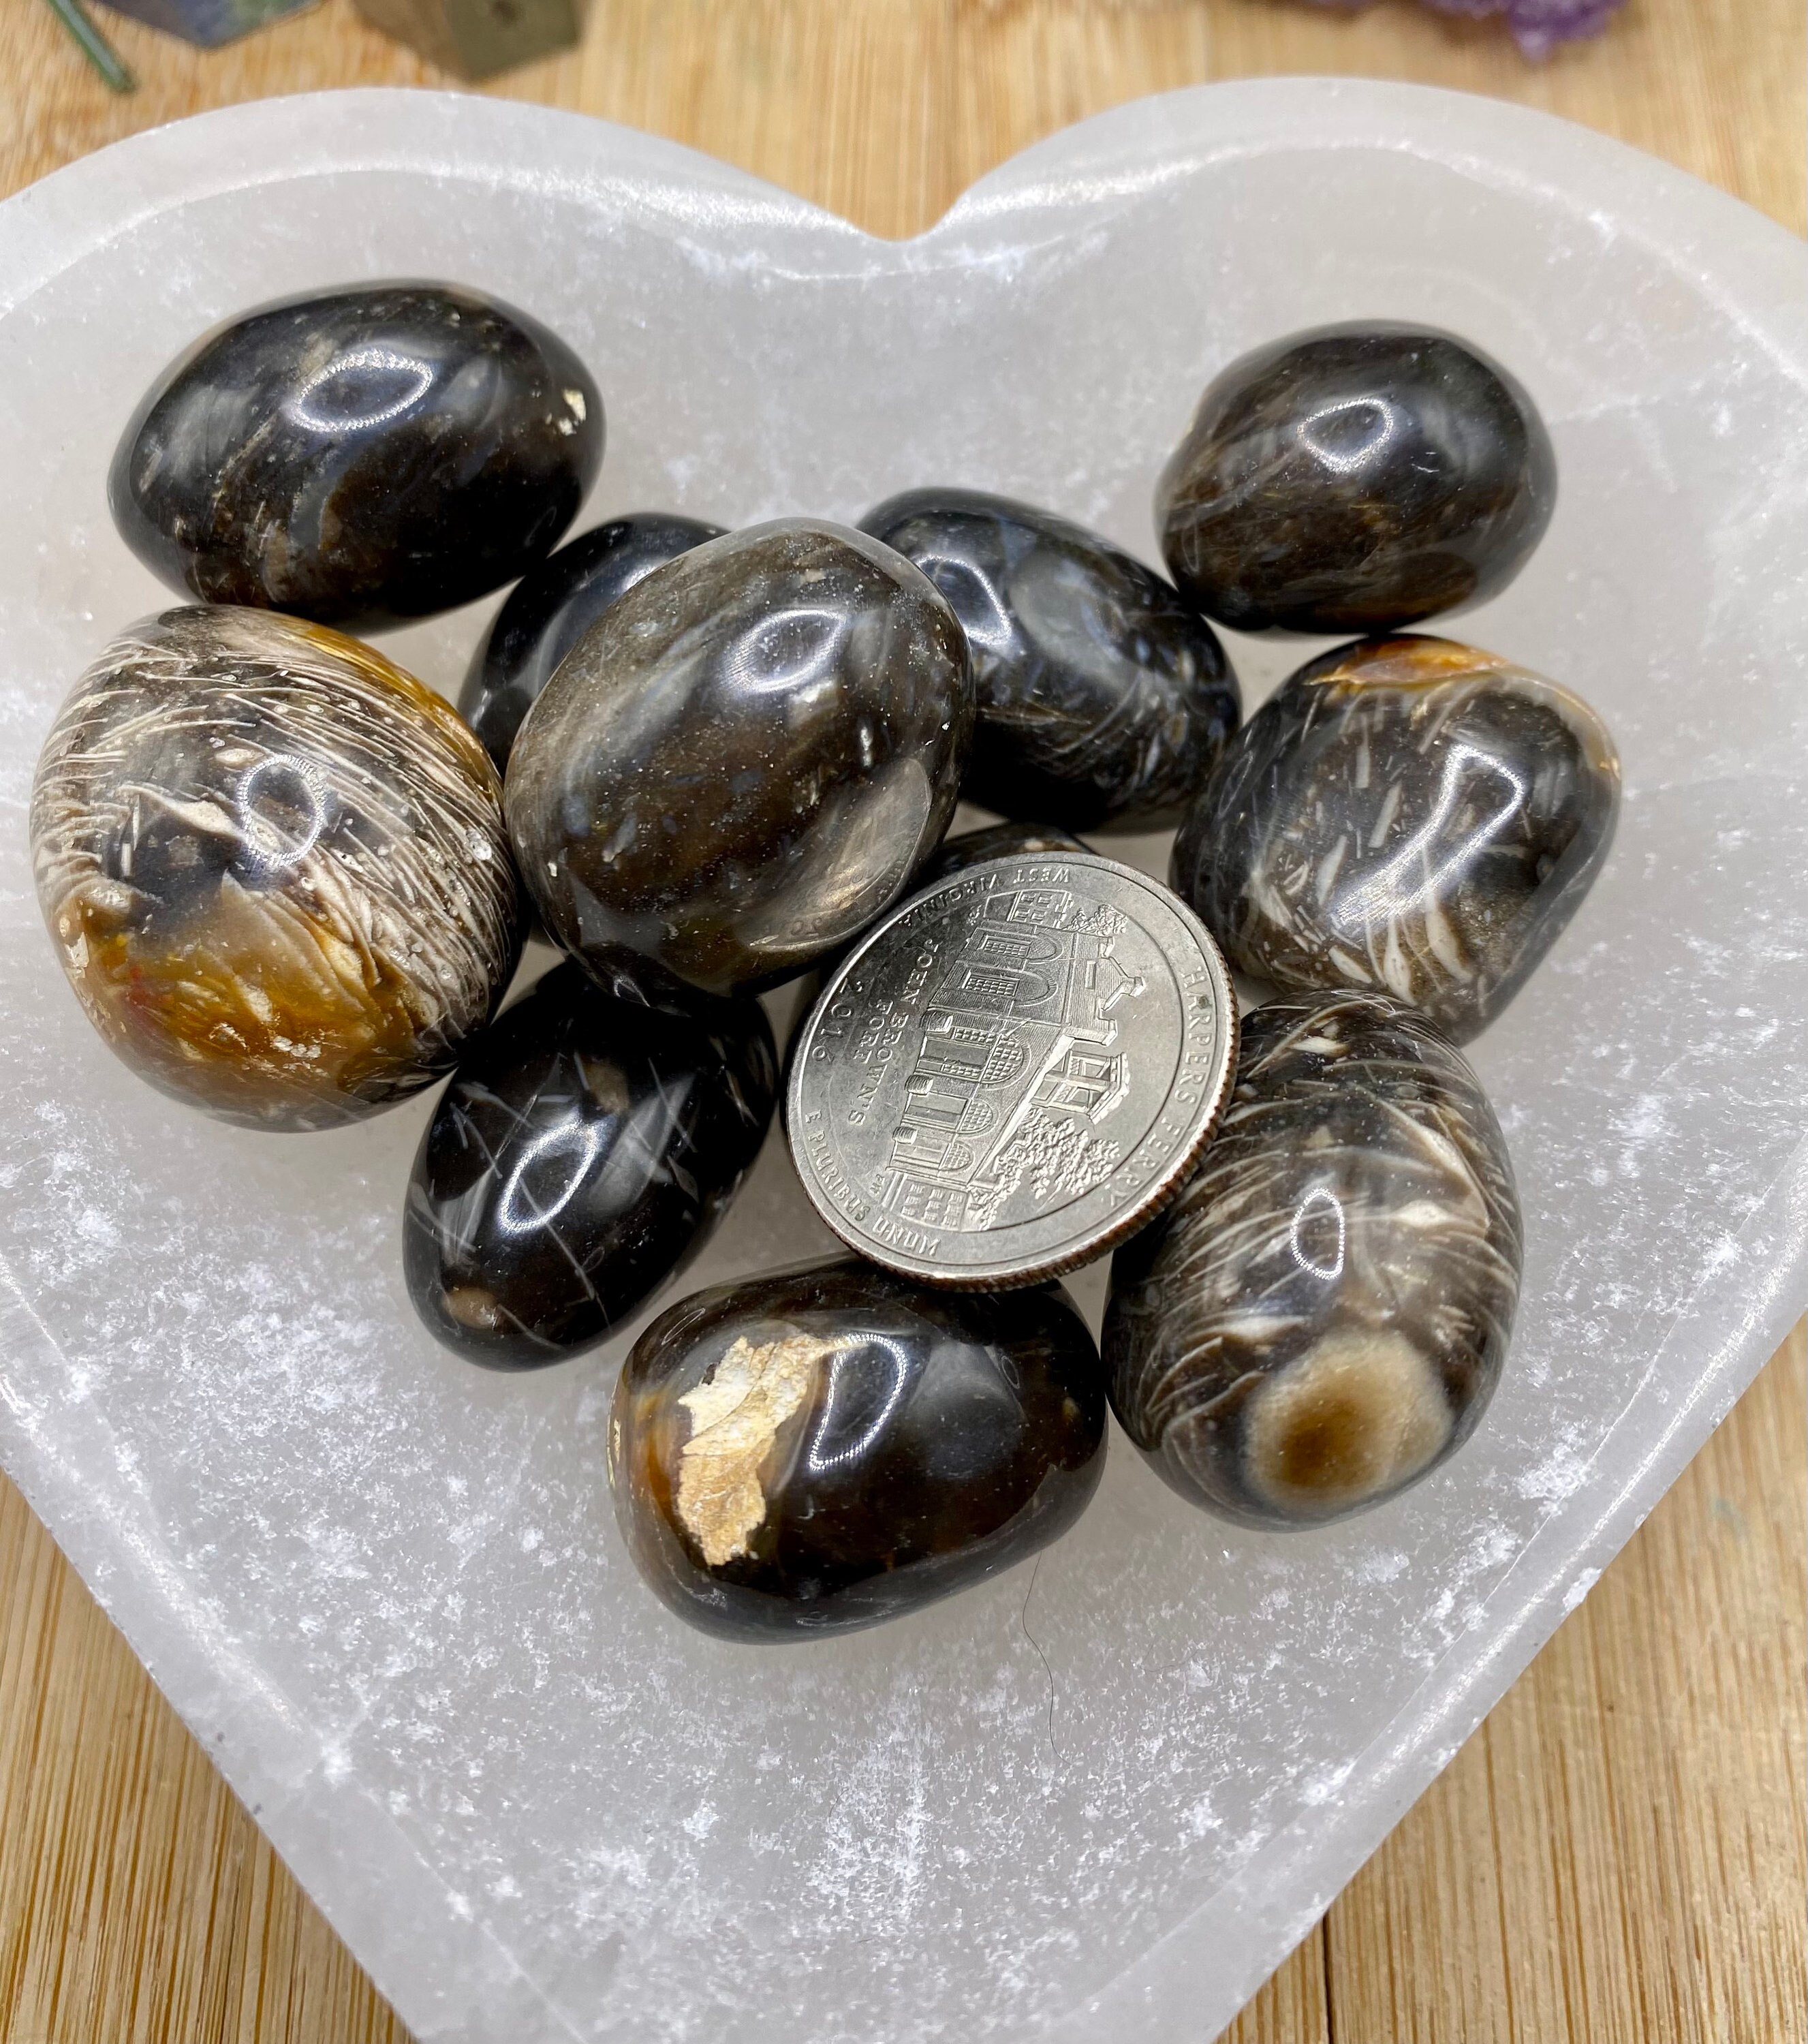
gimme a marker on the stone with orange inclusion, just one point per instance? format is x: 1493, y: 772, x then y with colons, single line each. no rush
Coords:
x: 275, y: 867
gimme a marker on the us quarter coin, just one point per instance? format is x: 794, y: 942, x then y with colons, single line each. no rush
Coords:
x: 1014, y: 1071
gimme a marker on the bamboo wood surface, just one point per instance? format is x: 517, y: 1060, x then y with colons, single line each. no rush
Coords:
x: 1619, y: 1855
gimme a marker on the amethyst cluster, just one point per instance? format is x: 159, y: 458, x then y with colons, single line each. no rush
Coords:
x: 1538, y: 25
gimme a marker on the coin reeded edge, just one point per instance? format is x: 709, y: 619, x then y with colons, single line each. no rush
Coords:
x: 1163, y: 1189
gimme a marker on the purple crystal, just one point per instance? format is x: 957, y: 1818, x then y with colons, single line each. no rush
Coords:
x: 1537, y: 26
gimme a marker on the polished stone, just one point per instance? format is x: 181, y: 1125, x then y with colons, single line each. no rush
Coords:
x: 1103, y: 700
x: 1355, y: 478
x: 1320, y: 1319
x: 955, y: 854
x: 744, y: 761
x: 361, y: 457
x: 275, y: 867
x: 822, y: 1449
x: 582, y: 1154
x: 552, y: 608
x: 1407, y: 814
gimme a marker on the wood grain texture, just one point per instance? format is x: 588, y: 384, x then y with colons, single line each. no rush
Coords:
x: 1617, y: 1856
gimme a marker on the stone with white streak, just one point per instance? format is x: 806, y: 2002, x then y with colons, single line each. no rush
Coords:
x: 1409, y: 815
x: 1320, y: 1319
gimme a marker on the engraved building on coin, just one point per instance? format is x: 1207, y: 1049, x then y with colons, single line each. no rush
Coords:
x: 1017, y: 1070
x: 1014, y: 1071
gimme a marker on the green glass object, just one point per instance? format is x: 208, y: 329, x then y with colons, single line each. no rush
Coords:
x: 100, y: 54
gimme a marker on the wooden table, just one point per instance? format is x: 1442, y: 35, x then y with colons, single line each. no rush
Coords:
x: 1618, y: 1854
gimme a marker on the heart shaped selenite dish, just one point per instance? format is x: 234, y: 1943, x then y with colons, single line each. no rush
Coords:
x: 1099, y: 1798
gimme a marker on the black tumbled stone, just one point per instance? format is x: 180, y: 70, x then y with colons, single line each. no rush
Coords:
x: 744, y: 760
x: 1355, y: 478
x: 1411, y: 815
x: 359, y: 457
x: 1103, y: 699
x: 820, y: 1450
x: 584, y: 1151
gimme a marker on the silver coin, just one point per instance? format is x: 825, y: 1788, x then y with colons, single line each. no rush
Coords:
x: 1015, y: 1070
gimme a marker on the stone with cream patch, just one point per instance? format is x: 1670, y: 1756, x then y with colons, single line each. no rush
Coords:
x: 1356, y: 1416
x: 1320, y: 1317
x: 735, y: 1413
x: 821, y: 1449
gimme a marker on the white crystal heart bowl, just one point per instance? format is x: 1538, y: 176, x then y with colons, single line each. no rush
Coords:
x: 1097, y: 1799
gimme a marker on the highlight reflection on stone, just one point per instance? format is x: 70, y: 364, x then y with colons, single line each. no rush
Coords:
x: 1355, y: 478
x: 275, y: 867
x: 1103, y: 700
x: 582, y: 1154
x: 552, y: 608
x: 359, y: 457
x: 820, y: 1450
x: 1320, y: 1319
x: 744, y: 760
x: 1406, y: 814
